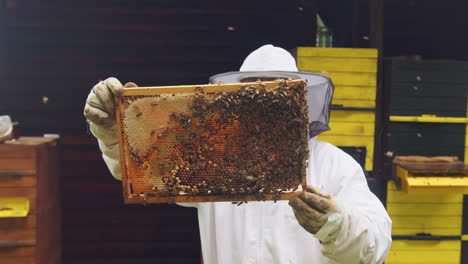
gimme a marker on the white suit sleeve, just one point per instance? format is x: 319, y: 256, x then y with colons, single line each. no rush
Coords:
x: 363, y: 234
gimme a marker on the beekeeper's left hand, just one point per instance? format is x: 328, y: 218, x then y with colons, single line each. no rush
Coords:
x: 100, y: 113
x: 317, y: 212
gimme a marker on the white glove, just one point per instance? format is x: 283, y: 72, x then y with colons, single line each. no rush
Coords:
x: 318, y: 213
x: 100, y: 113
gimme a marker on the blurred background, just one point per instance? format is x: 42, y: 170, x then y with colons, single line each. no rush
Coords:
x: 52, y: 52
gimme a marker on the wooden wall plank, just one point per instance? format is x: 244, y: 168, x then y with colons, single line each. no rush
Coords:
x: 431, y: 29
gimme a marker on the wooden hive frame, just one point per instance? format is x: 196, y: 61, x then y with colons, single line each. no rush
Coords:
x: 136, y: 198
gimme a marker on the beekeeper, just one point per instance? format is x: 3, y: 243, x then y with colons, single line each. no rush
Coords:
x: 336, y: 219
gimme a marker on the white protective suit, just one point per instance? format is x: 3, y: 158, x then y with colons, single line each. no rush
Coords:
x: 268, y: 232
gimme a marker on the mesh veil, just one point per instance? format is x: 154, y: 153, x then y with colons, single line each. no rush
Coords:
x: 319, y: 89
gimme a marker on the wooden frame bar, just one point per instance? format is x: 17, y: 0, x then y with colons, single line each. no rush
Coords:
x: 207, y: 88
x: 138, y: 199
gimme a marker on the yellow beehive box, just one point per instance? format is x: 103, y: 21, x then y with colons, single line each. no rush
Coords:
x: 424, y: 252
x: 352, y: 129
x: 353, y: 71
x: 354, y: 74
x: 434, y: 214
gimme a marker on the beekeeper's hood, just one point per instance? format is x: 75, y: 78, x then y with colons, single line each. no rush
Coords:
x: 268, y: 63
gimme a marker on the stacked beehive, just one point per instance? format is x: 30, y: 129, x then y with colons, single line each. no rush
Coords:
x: 415, y: 217
x: 30, y: 226
x: 427, y: 107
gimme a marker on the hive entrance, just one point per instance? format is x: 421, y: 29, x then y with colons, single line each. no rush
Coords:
x: 234, y: 142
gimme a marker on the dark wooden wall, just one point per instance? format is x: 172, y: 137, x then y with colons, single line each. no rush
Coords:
x: 430, y: 28
x: 349, y: 21
x: 51, y: 54
x: 433, y: 29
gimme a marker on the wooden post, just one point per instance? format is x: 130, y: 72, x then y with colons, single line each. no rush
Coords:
x: 376, y: 20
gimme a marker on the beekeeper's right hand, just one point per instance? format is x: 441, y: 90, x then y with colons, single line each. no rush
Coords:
x: 100, y: 113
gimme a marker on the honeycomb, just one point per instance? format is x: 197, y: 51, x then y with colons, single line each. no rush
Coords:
x: 238, y: 144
